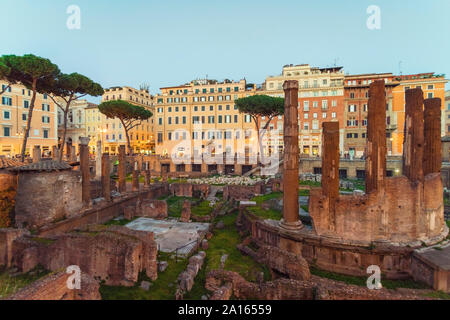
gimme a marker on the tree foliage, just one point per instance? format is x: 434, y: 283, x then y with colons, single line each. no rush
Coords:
x: 33, y: 72
x: 70, y: 87
x: 129, y: 115
x: 261, y: 106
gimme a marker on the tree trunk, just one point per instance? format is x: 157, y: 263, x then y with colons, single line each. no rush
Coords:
x: 63, y: 141
x: 30, y: 114
x: 130, y: 152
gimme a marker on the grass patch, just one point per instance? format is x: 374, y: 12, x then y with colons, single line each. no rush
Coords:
x: 362, y: 281
x: 10, y: 285
x: 162, y: 288
x: 43, y: 240
x: 121, y: 222
x: 303, y: 192
x: 304, y: 207
x: 310, y: 183
x: 266, y: 214
x: 438, y: 295
x: 174, y: 205
x: 266, y: 197
x: 202, y: 209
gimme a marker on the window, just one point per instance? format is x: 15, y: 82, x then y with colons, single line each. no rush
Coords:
x: 306, y: 105
x: 315, y: 115
x: 160, y: 121
x: 6, y: 131
x: 235, y: 118
x: 176, y: 120
x: 247, y: 118
x: 305, y: 116
x: 6, y: 115
x: 228, y: 119
x: 24, y: 116
x: 176, y: 109
x: 9, y: 88
x: 184, y: 120
x: 306, y: 126
x: 169, y: 121
x: 334, y: 103
x: 430, y: 87
x: 210, y: 119
x: 219, y: 119
x: 203, y: 108
x: 333, y: 114
x: 169, y: 109
x: 324, y: 115
x: 160, y: 137
x: 26, y: 104
x: 352, y: 108
x: 430, y: 95
x: 7, y: 101
x: 211, y: 108
x: 324, y: 104
x: 352, y: 95
x: 45, y: 119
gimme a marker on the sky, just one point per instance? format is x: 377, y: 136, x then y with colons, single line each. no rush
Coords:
x: 171, y: 42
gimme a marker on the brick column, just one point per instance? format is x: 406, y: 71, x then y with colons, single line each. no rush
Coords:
x: 330, y: 167
x: 238, y: 169
x: 36, y: 154
x: 376, y: 137
x: 147, y: 174
x: 106, y: 180
x: 413, y: 143
x: 290, y: 219
x: 135, y: 177
x: 85, y: 174
x: 432, y: 156
x: 121, y: 170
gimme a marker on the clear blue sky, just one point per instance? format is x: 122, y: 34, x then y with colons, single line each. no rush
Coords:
x: 171, y: 42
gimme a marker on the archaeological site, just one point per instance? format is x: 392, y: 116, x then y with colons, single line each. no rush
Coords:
x: 118, y: 227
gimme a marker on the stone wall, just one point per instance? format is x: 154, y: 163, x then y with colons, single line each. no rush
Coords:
x: 54, y: 287
x: 46, y: 197
x: 7, y: 237
x: 224, y: 284
x: 116, y: 255
x: 189, y: 190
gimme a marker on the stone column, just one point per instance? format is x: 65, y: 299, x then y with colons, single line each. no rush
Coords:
x: 98, y: 160
x: 135, y: 177
x: 238, y: 169
x: 376, y: 137
x: 106, y: 180
x: 413, y: 143
x: 55, y: 153
x: 36, y: 154
x: 290, y: 219
x: 330, y: 168
x: 122, y: 170
x: 146, y: 174
x: 432, y: 157
x: 85, y: 174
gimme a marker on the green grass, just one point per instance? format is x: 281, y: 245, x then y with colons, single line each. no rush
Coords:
x: 162, y: 288
x: 266, y: 197
x: 304, y: 207
x: 10, y: 285
x: 438, y: 295
x: 174, y: 205
x: 303, y: 192
x: 43, y: 240
x: 448, y: 223
x: 266, y: 214
x: 122, y: 222
x: 310, y: 183
x: 202, y: 209
x: 362, y: 281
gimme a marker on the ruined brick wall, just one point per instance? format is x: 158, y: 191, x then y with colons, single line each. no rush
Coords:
x: 181, y: 189
x: 239, y: 193
x: 403, y: 212
x: 54, y: 287
x: 55, y: 196
x: 7, y: 237
x: 8, y: 189
x: 115, y: 255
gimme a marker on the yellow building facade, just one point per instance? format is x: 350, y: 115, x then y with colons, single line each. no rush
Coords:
x: 14, y: 109
x: 432, y: 85
x: 111, y: 131
x: 201, y: 117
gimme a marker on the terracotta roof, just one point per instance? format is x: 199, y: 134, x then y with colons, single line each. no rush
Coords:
x: 9, y: 163
x: 46, y: 165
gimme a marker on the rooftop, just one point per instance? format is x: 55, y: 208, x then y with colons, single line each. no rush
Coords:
x: 45, y: 165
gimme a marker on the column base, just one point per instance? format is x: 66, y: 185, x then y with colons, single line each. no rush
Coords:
x: 291, y: 226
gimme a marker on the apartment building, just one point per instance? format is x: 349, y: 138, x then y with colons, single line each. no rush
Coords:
x: 112, y: 132
x: 356, y: 99
x: 14, y: 109
x: 201, y: 116
x: 76, y: 122
x: 432, y: 85
x: 447, y: 113
x: 321, y: 99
